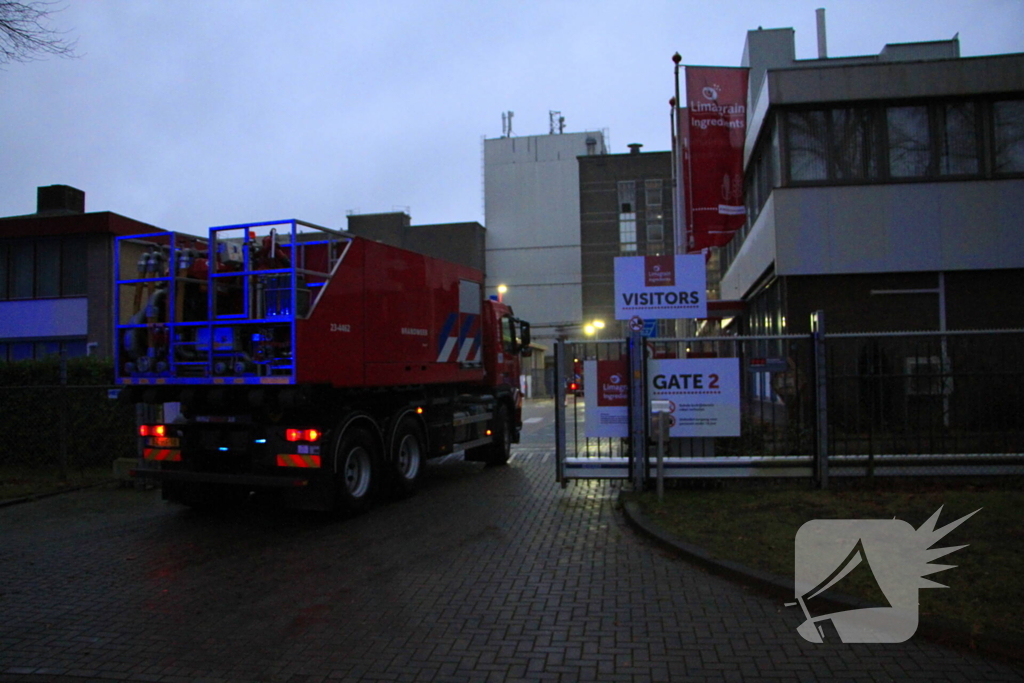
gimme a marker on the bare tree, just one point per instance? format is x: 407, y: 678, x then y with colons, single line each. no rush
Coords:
x: 24, y: 35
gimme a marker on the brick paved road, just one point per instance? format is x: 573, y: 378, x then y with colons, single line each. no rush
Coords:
x: 487, y: 575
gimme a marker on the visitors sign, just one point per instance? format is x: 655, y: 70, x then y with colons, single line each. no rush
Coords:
x: 670, y: 286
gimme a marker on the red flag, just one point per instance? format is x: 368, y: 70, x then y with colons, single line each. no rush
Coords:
x: 717, y: 102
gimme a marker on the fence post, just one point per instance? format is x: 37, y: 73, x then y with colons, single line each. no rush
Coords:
x: 560, y: 412
x: 63, y: 402
x: 820, y: 398
x: 638, y: 408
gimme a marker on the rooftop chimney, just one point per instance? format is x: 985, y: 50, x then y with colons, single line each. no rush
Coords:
x: 60, y: 199
x: 822, y: 47
x: 634, y: 147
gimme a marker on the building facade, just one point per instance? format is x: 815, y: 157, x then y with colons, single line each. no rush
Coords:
x: 532, y: 215
x: 625, y: 205
x: 461, y: 243
x: 886, y: 190
x: 56, y: 277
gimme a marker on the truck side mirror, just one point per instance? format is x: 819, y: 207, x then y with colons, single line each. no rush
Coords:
x: 524, y: 332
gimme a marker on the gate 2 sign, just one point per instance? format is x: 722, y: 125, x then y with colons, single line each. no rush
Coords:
x: 704, y: 394
x: 660, y: 287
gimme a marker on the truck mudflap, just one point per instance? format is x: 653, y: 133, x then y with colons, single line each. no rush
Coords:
x: 253, y: 480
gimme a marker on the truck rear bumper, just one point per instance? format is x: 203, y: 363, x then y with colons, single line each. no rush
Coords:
x: 256, y: 481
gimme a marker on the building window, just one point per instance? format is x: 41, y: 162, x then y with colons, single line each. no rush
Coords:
x: 807, y: 144
x: 627, y: 216
x: 958, y: 139
x: 42, y: 348
x: 852, y: 141
x: 4, y: 272
x: 655, y: 229
x: 44, y: 268
x: 909, y: 141
x: 47, y: 269
x: 1008, y: 126
x: 652, y: 193
x: 21, y: 262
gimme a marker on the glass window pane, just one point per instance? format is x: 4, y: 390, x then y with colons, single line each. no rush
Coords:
x: 627, y: 232
x: 48, y: 268
x: 22, y: 351
x: 655, y: 231
x: 22, y: 264
x: 47, y: 348
x: 1009, y: 135
x: 849, y: 133
x: 907, y: 134
x: 652, y: 192
x: 73, y: 267
x: 627, y: 196
x: 807, y: 150
x: 959, y: 139
x: 75, y: 348
x: 4, y: 271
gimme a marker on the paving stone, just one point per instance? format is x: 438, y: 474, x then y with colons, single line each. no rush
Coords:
x: 488, y: 574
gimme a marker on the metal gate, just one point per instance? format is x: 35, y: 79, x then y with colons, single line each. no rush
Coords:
x: 815, y: 406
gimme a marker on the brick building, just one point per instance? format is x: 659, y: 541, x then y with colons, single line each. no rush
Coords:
x: 56, y: 277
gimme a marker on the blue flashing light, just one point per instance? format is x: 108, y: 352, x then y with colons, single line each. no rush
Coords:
x: 222, y: 448
x: 261, y: 440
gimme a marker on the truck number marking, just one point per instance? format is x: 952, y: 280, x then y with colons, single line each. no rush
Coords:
x: 338, y: 327
x: 414, y: 331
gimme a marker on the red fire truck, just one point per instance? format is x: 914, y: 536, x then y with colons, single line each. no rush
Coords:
x: 304, y: 360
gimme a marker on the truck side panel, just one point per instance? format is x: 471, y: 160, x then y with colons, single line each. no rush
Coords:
x: 398, y: 321
x: 331, y: 342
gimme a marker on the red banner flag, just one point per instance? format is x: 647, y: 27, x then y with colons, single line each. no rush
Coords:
x: 717, y: 103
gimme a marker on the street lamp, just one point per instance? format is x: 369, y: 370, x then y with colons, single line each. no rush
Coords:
x: 501, y: 292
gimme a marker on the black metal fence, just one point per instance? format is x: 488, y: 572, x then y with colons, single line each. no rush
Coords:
x: 55, y: 418
x: 911, y: 403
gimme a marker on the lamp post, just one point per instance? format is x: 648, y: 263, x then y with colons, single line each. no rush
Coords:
x: 501, y: 292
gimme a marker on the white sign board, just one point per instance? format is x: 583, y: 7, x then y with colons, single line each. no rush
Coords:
x: 704, y: 394
x: 660, y: 287
x: 606, y: 397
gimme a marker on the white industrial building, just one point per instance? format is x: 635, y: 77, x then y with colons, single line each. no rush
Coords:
x: 532, y: 215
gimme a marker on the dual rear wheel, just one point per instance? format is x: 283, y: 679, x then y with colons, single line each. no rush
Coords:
x: 364, y: 470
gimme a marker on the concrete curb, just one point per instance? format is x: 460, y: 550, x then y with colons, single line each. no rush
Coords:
x: 39, y: 496
x: 942, y: 631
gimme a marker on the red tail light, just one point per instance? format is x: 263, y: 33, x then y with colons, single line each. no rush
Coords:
x: 152, y: 430
x: 302, y: 435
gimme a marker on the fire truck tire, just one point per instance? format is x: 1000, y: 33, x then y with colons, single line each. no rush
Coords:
x: 357, y: 469
x: 408, y: 453
x: 500, y: 450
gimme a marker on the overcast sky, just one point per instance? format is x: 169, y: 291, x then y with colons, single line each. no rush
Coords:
x: 190, y: 114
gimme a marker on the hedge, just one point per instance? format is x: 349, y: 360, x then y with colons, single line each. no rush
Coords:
x: 96, y: 429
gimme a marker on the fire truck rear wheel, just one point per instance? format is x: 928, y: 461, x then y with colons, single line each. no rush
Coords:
x: 500, y: 449
x: 407, y: 457
x: 357, y: 469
